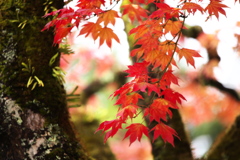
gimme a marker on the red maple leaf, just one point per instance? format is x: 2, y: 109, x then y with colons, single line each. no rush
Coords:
x: 170, y: 77
x: 128, y: 99
x: 90, y: 4
x: 138, y: 70
x: 126, y: 88
x: 115, y: 125
x: 167, y: 78
x: 128, y: 111
x: 61, y: 31
x: 86, y: 13
x: 172, y: 96
x: 166, y: 132
x: 158, y: 110
x: 62, y: 23
x: 135, y: 131
x: 142, y: 86
x: 53, y: 13
x: 166, y: 11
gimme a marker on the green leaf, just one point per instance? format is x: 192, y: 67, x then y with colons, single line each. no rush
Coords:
x: 53, y: 59
x: 40, y: 82
x: 30, y: 80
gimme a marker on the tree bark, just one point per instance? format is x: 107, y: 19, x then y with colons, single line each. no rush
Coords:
x: 34, y: 120
x: 226, y: 145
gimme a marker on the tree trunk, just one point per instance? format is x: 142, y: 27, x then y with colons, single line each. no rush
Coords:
x: 226, y: 145
x: 182, y: 149
x: 34, y: 120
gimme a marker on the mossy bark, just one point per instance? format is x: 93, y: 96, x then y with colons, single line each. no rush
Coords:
x: 226, y: 146
x: 34, y: 124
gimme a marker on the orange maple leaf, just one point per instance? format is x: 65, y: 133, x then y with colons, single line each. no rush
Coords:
x: 215, y: 7
x: 188, y: 54
x: 168, y: 46
x: 192, y: 7
x: 166, y: 132
x: 148, y: 26
x: 108, y: 17
x: 149, y: 42
x: 173, y: 27
x: 166, y: 49
x: 135, y: 131
x: 134, y: 11
x: 151, y: 56
x: 138, y: 52
x: 107, y: 34
x: 162, y: 55
x: 163, y: 60
x: 91, y: 28
x: 139, y: 31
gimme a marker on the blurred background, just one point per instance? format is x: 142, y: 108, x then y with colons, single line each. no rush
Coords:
x: 212, y: 89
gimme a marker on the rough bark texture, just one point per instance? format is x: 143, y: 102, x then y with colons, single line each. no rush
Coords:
x: 34, y: 124
x: 226, y: 147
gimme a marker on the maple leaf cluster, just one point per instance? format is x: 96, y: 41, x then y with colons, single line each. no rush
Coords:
x: 156, y: 42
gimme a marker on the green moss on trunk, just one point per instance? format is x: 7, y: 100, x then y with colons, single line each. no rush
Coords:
x: 42, y: 129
